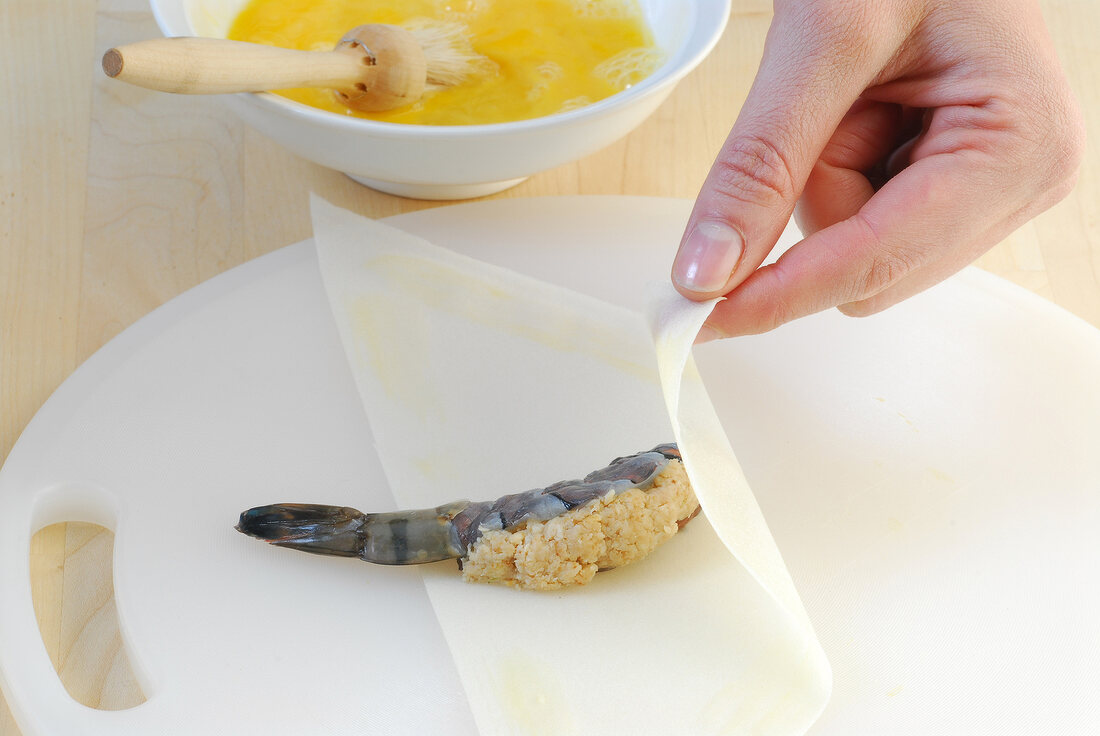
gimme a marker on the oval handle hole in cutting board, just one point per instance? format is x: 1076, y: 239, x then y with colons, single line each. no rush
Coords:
x: 73, y: 593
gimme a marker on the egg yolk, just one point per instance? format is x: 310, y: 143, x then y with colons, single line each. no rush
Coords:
x: 544, y: 56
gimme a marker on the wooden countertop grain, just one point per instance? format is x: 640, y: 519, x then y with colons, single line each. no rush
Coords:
x: 114, y: 199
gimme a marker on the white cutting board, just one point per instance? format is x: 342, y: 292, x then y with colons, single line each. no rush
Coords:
x: 931, y: 476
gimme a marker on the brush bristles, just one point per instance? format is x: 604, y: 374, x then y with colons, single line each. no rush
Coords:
x: 451, y: 59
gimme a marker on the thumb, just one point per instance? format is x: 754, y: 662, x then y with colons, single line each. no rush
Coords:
x: 811, y: 73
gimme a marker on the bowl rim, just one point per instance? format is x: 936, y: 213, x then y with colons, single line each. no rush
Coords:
x: 709, y: 21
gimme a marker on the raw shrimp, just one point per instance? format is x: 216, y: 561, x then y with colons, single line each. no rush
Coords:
x: 543, y: 538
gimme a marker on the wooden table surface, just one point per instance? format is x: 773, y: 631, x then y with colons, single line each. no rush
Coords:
x: 113, y: 200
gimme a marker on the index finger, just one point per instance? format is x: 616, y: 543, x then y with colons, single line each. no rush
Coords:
x: 817, y: 61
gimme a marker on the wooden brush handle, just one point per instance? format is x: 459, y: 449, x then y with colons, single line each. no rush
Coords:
x: 216, y: 66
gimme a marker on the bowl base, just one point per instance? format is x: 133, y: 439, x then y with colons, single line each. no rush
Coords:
x: 437, y: 191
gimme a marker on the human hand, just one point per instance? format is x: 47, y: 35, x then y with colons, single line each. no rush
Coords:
x: 913, y: 135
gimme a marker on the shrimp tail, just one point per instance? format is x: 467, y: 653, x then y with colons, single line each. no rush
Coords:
x: 316, y: 528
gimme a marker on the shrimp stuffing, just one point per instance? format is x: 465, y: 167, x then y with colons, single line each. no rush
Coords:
x: 542, y: 539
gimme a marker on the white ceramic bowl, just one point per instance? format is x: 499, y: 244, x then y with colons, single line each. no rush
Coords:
x: 460, y: 162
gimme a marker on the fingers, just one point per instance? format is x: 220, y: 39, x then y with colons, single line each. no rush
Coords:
x: 919, y: 228
x: 971, y: 177
x: 750, y: 190
x: 815, y: 65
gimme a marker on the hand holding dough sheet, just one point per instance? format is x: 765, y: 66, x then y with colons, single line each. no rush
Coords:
x: 479, y: 382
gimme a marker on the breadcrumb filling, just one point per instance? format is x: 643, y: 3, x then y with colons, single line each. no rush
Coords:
x: 569, y: 549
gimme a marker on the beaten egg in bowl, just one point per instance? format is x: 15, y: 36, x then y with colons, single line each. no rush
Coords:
x: 461, y: 161
x: 540, y: 56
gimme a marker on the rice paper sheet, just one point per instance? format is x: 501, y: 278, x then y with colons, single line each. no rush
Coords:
x: 478, y: 382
